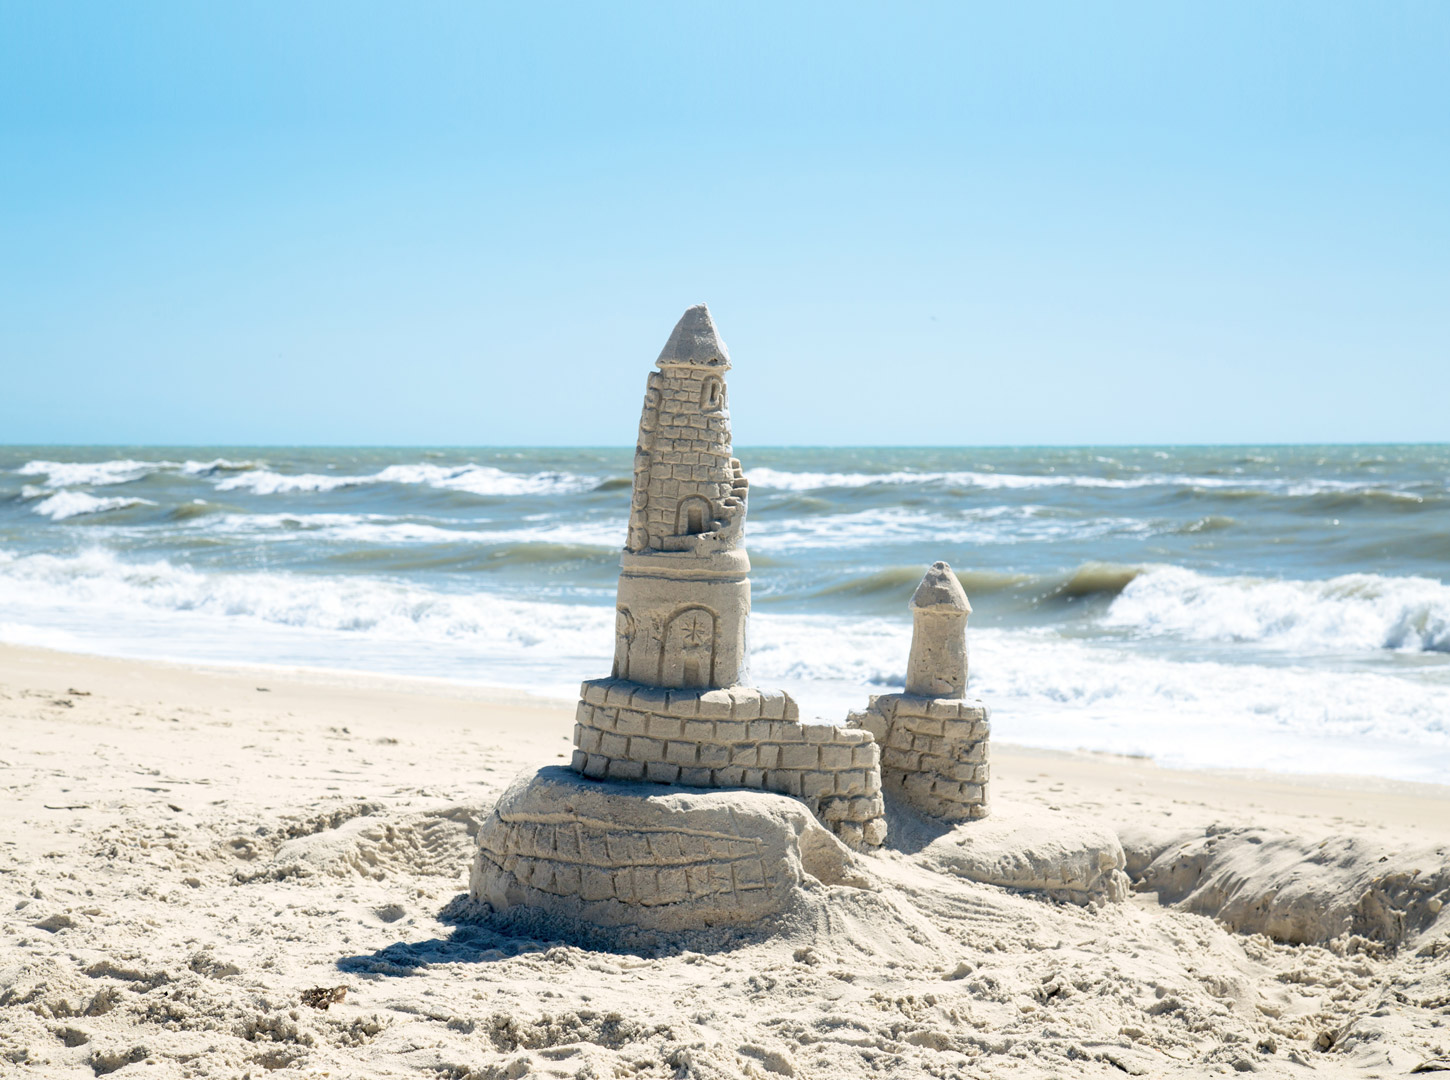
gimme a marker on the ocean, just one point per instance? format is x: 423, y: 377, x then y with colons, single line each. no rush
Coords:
x: 1282, y: 607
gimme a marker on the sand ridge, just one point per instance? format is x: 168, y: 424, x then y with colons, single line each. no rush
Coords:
x: 184, y: 856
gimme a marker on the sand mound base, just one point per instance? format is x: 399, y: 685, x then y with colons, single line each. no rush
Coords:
x: 1032, y: 850
x: 1294, y: 889
x: 643, y: 855
x: 647, y: 857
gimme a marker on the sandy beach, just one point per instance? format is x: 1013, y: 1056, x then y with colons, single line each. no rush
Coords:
x: 187, y: 852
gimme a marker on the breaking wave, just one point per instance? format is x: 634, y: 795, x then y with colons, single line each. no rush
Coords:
x: 61, y: 474
x: 1044, y: 689
x: 1210, y: 523
x: 1093, y: 579
x: 385, y: 529
x: 354, y: 605
x: 983, y: 525
x: 217, y: 466
x: 254, y: 477
x: 781, y: 480
x: 898, y: 581
x: 65, y: 474
x: 473, y: 479
x: 792, y: 535
x: 1350, y: 613
x: 1031, y: 590
x: 1339, y: 492
x: 267, y: 482
x: 70, y: 504
x: 1131, y: 600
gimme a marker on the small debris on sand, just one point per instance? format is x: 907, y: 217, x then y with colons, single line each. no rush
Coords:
x: 321, y: 997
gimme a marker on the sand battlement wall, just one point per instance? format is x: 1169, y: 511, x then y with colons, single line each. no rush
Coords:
x: 933, y: 751
x: 740, y: 737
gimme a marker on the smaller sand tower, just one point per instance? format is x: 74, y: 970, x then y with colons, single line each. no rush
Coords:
x: 933, y: 739
x: 937, y: 665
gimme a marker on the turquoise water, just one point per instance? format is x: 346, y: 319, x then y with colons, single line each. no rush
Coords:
x: 1280, y: 606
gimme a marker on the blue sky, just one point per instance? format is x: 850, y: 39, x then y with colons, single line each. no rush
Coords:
x: 915, y: 224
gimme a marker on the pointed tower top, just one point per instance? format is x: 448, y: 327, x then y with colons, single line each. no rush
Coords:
x: 695, y: 341
x: 940, y: 589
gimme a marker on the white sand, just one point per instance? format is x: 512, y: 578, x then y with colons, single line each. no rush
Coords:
x: 183, y: 855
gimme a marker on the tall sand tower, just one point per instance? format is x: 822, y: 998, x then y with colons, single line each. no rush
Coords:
x: 679, y: 707
x: 684, y: 587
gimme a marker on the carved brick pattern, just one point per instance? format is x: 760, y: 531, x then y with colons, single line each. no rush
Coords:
x: 934, y: 752
x: 682, y: 452
x: 740, y: 737
x: 597, y: 861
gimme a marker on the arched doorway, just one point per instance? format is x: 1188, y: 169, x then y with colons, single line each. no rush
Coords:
x: 687, y: 658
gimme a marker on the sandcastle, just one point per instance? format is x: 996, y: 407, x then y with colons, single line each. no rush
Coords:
x: 679, y: 710
x: 934, y: 741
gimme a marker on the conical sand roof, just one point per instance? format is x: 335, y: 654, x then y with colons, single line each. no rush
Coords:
x: 940, y: 589
x: 695, y: 341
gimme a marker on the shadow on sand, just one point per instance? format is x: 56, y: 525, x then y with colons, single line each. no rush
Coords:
x: 481, y: 936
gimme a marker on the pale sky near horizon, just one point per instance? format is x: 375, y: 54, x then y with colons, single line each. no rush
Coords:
x: 470, y: 224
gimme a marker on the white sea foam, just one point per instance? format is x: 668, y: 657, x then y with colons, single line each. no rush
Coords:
x: 286, y: 526
x: 860, y: 529
x: 216, y: 466
x: 1047, y: 691
x: 251, y: 476
x: 389, y: 530
x: 109, y: 589
x: 69, y: 504
x: 1043, y: 689
x: 267, y: 482
x: 1287, y: 717
x: 781, y: 480
x: 487, y: 480
x: 982, y: 525
x: 475, y: 479
x: 1354, y: 612
x: 605, y: 535
x: 60, y: 474
x: 64, y: 474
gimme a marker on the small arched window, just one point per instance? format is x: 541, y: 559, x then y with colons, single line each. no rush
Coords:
x: 693, y: 517
x: 712, y: 394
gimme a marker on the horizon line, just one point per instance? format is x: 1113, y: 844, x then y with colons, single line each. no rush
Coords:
x: 751, y: 446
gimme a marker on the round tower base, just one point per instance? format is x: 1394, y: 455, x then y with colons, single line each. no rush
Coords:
x: 650, y: 857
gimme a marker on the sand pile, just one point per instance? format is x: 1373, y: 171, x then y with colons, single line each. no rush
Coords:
x: 649, y: 856
x: 191, y: 869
